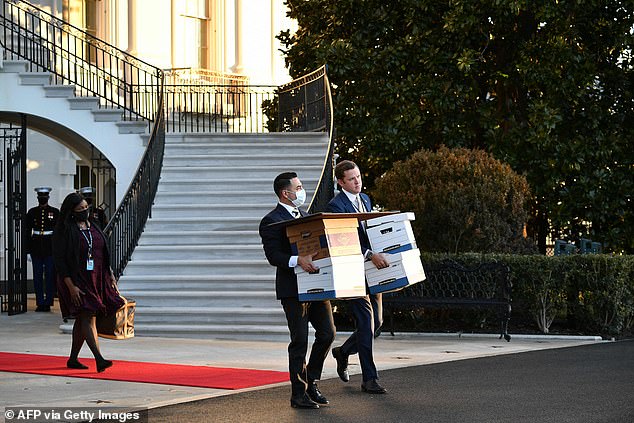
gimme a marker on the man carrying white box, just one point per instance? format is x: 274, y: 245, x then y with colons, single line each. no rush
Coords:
x: 368, y: 310
x: 277, y: 248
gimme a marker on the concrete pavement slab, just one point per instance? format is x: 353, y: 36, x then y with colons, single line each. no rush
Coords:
x: 39, y: 333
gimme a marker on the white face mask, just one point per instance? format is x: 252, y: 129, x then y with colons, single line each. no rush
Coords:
x: 300, y: 198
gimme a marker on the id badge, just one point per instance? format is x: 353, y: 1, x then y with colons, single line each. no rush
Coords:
x: 90, y: 264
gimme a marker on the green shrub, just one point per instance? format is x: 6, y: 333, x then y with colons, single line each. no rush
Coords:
x: 585, y: 294
x: 464, y: 200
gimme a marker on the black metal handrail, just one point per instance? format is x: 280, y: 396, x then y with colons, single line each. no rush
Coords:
x: 119, y: 80
x: 75, y: 57
x: 203, y: 107
x: 126, y: 225
x: 305, y: 104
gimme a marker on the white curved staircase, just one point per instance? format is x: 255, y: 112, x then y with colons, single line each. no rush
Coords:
x: 199, y: 269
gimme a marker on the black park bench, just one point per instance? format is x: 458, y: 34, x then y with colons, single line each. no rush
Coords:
x: 452, y: 285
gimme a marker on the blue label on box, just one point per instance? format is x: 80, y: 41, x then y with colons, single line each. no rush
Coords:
x: 392, y: 285
x: 317, y: 296
x: 398, y: 249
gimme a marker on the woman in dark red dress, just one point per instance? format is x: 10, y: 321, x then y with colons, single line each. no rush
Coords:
x: 85, y: 283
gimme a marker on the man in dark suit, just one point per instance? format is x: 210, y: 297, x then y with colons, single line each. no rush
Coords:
x: 40, y: 222
x: 367, y: 311
x: 277, y: 247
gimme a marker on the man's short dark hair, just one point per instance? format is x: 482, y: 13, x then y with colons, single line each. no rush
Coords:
x: 283, y: 181
x: 344, y: 166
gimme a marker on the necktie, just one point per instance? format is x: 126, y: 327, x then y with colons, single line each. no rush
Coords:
x: 295, y: 213
x: 359, y: 204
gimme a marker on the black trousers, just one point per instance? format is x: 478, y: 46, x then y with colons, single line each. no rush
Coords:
x: 298, y: 315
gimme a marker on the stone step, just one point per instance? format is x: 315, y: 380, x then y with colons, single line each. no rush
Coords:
x: 243, y: 332
x: 175, y: 149
x: 59, y: 91
x: 204, y: 223
x: 238, y: 332
x: 195, y: 185
x: 215, y: 197
x: 236, y: 209
x: 133, y: 126
x: 210, y: 315
x: 209, y: 282
x: 222, y: 160
x: 254, y: 138
x: 197, y: 267
x: 107, y: 115
x: 35, y: 78
x: 14, y: 66
x: 84, y: 103
x: 268, y: 173
x: 197, y: 252
x: 183, y: 298
x: 195, y: 237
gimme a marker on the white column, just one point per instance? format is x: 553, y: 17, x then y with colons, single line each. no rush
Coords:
x: 173, y: 34
x: 132, y: 27
x: 237, y: 67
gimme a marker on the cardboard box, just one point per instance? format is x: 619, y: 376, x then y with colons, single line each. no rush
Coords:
x: 338, y: 277
x: 328, y: 237
x: 392, y: 236
x: 405, y: 269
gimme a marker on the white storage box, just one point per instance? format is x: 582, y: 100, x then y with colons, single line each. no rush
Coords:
x: 338, y: 277
x: 405, y: 269
x: 391, y: 234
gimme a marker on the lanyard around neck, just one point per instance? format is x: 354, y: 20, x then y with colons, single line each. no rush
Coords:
x: 88, y: 240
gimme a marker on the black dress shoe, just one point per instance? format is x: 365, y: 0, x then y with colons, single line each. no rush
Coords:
x: 39, y: 308
x: 75, y: 364
x: 342, y: 364
x: 314, y: 393
x: 372, y: 387
x: 103, y: 365
x: 303, y: 402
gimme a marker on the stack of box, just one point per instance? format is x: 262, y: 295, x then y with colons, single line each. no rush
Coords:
x: 339, y: 258
x: 393, y: 236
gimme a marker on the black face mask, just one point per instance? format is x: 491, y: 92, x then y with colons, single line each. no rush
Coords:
x: 81, y: 216
x: 42, y: 200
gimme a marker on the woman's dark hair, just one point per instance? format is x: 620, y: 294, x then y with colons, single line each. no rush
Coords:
x: 66, y: 212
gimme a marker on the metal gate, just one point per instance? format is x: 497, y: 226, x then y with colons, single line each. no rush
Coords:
x: 13, y: 284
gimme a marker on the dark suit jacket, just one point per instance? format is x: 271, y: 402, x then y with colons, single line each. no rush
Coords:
x: 341, y: 204
x: 277, y: 249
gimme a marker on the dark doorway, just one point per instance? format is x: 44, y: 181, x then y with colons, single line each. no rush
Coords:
x: 13, y: 288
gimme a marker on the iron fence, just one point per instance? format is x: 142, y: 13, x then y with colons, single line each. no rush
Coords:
x: 305, y: 104
x: 75, y: 57
x: 219, y: 108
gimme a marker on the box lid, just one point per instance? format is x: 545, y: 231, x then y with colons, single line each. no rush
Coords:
x: 397, y: 217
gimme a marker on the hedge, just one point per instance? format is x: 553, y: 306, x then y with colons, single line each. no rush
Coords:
x: 584, y: 294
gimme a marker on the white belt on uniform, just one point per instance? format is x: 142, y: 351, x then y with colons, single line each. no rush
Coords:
x: 42, y: 232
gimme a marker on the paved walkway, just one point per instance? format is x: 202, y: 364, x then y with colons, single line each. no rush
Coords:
x: 38, y: 333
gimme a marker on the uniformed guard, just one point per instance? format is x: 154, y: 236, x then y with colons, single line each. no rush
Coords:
x: 40, y: 223
x: 97, y: 214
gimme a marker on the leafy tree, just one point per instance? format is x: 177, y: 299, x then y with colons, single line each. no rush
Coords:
x: 545, y: 86
x: 465, y: 200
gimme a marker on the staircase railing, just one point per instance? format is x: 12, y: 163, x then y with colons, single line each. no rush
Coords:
x: 305, y: 104
x: 119, y: 80
x: 75, y: 57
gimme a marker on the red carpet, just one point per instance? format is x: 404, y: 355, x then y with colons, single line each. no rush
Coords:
x: 139, y: 371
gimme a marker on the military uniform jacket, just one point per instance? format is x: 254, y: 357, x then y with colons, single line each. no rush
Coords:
x: 40, y: 222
